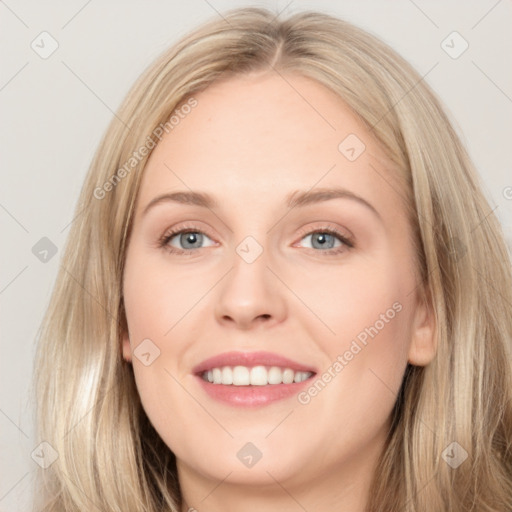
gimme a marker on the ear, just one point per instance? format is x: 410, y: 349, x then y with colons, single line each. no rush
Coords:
x: 423, y: 346
x: 126, y: 346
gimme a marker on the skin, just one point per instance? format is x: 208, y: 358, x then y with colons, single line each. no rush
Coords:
x: 250, y: 142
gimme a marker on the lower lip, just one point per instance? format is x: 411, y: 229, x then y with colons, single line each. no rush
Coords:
x: 250, y: 396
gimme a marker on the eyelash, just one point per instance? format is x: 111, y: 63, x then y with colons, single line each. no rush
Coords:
x: 347, y: 243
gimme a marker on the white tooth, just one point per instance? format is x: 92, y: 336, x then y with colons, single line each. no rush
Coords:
x: 259, y: 376
x: 302, y: 376
x: 227, y: 375
x: 255, y: 376
x: 241, y: 376
x: 288, y: 375
x: 217, y: 376
x: 275, y: 375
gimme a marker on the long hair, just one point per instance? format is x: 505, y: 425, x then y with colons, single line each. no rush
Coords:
x: 457, y: 407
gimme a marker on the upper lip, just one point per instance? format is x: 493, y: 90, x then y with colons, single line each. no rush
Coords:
x: 250, y: 359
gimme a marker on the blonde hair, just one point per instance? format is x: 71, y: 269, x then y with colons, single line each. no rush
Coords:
x: 88, y: 406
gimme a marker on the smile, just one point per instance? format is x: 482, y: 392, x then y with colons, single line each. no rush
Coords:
x: 254, y: 376
x: 248, y: 379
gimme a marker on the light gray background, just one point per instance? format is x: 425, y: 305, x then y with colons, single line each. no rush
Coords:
x: 55, y: 110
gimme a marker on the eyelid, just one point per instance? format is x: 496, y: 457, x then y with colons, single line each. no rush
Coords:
x: 344, y: 234
x: 346, y: 239
x: 187, y: 226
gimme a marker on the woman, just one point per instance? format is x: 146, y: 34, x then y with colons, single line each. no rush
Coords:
x: 337, y: 334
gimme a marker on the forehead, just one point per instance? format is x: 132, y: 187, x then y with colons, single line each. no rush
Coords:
x: 263, y: 136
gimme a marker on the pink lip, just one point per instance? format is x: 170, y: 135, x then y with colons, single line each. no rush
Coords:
x: 250, y: 396
x: 250, y: 359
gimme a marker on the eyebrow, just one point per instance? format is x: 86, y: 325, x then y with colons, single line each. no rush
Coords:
x: 296, y: 199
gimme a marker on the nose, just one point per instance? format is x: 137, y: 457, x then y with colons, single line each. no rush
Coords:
x: 250, y: 295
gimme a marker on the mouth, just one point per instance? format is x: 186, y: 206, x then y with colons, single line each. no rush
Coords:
x: 254, y: 376
x: 249, y: 379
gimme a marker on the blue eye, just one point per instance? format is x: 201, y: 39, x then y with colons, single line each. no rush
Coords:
x: 328, y: 240
x: 323, y: 240
x: 187, y: 240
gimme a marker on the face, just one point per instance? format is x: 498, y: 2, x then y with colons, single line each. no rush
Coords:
x: 271, y: 253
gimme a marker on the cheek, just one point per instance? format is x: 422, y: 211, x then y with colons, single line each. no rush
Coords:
x: 358, y: 301
x: 172, y: 411
x: 156, y: 302
x: 157, y: 296
x: 369, y: 312
x: 162, y: 305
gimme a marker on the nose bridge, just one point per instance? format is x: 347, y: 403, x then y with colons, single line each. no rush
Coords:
x: 250, y: 292
x: 250, y: 265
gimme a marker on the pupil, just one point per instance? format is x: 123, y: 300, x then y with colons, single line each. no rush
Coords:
x: 322, y: 240
x: 191, y: 238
